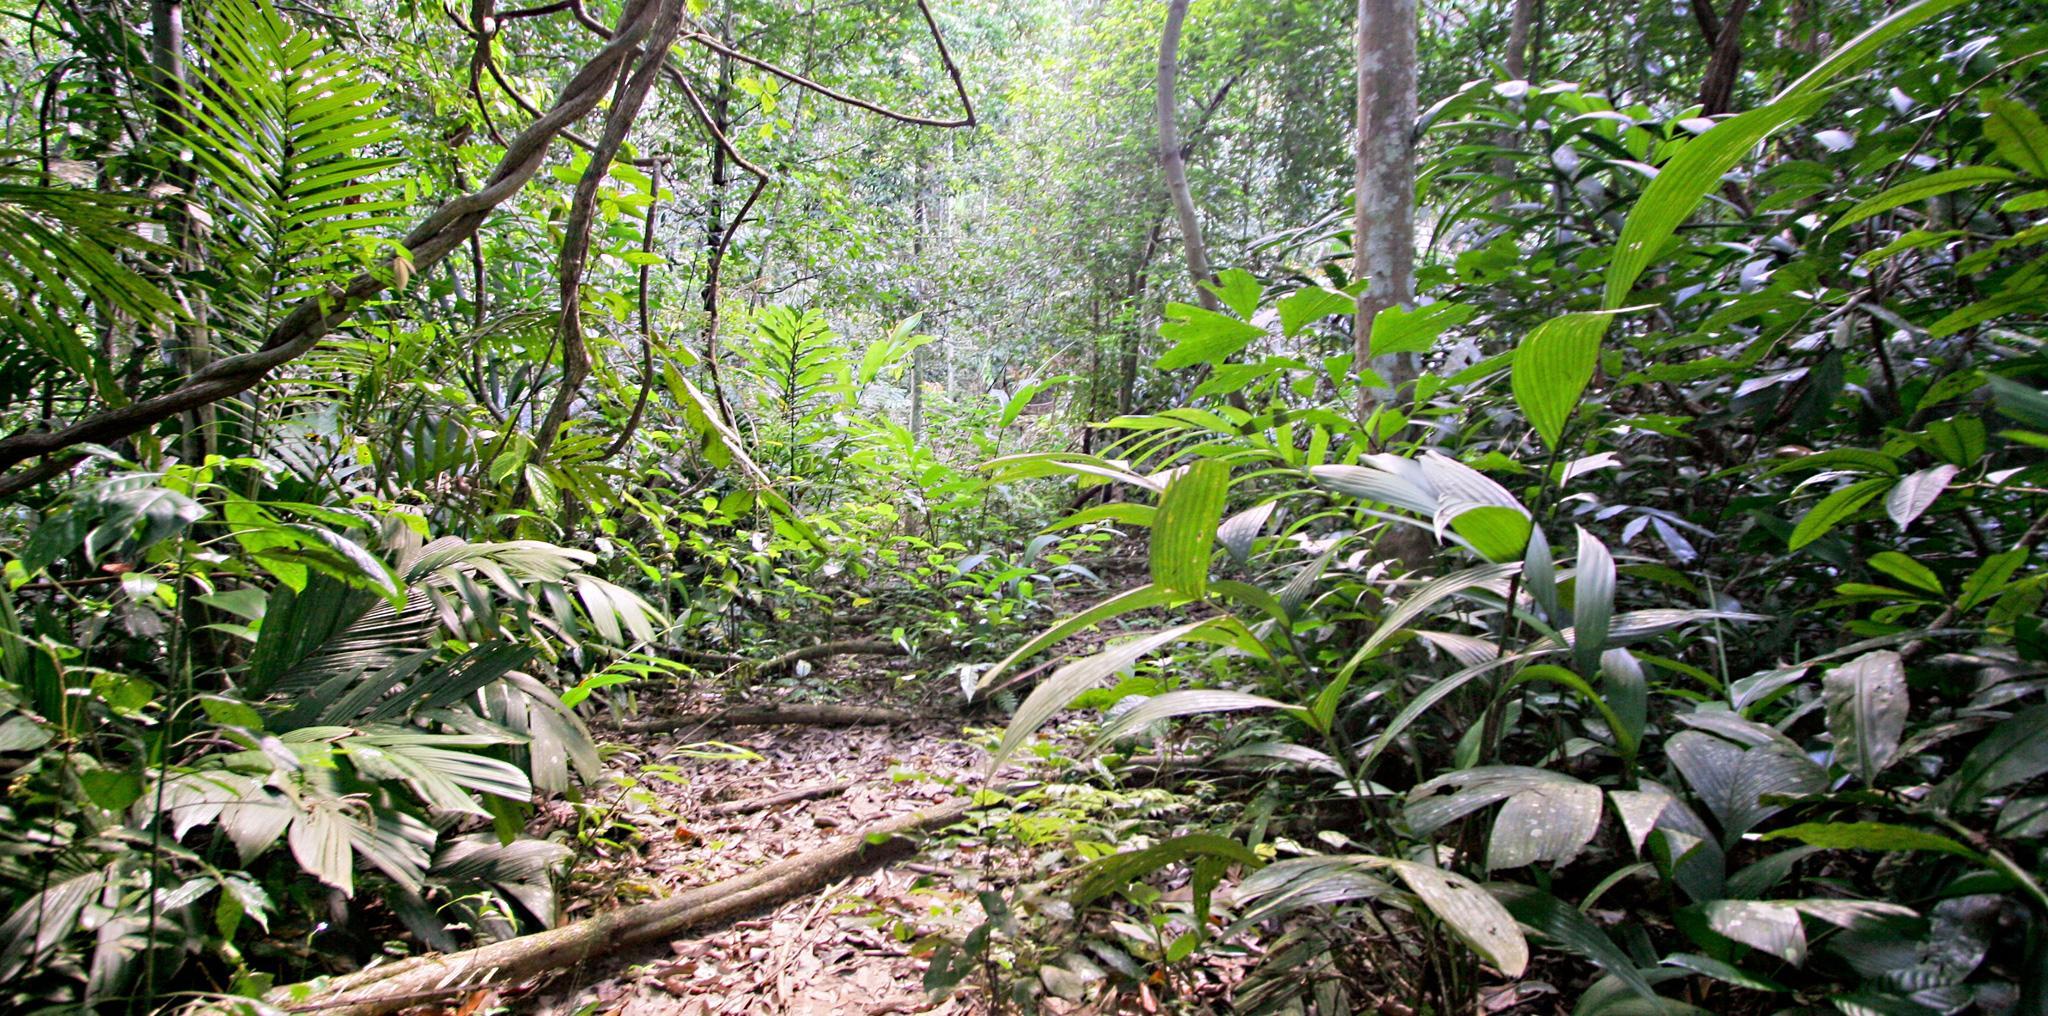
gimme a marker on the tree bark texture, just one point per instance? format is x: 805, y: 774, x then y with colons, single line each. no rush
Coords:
x: 1173, y: 159
x: 1384, y: 223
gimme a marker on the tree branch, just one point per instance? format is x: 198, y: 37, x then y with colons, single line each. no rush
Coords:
x: 314, y: 317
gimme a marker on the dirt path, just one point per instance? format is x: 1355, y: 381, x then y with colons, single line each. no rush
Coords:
x: 845, y: 950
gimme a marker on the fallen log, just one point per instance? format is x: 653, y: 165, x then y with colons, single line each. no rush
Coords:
x: 380, y: 991
x: 765, y: 802
x: 770, y: 715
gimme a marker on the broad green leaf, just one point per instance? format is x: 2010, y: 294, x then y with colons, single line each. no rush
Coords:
x: 1189, y: 513
x: 2019, y: 134
x: 1639, y: 811
x: 1870, y: 836
x: 1436, y: 803
x: 1539, y: 575
x: 1105, y: 875
x: 1866, y: 705
x: 1920, y: 188
x: 1238, y: 289
x: 1908, y: 571
x: 2021, y: 402
x: 1493, y: 532
x: 1398, y: 330
x: 1553, y: 365
x: 1129, y: 601
x: 1369, y: 484
x: 1684, y: 181
x: 1563, y: 924
x: 1304, y: 307
x: 1069, y: 681
x: 1990, y: 577
x: 1866, y: 43
x: 1834, y: 509
x: 1627, y: 693
x: 1592, y: 602
x: 1734, y: 782
x: 1552, y: 822
x: 2014, y: 751
x: 1202, y: 336
x: 1469, y: 911
x: 1191, y: 702
x: 1772, y: 927
x: 1481, y: 511
x: 1719, y: 970
x: 112, y: 789
x: 2024, y: 295
x: 1238, y: 531
x: 1916, y: 493
x: 319, y: 840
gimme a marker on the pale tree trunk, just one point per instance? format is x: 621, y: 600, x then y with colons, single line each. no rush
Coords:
x: 1383, y: 230
x: 1519, y: 22
x: 920, y: 218
x: 1173, y: 159
x: 1384, y: 227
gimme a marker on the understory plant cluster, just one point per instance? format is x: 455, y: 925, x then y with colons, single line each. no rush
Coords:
x: 286, y: 683
x: 1668, y: 633
x: 1645, y: 617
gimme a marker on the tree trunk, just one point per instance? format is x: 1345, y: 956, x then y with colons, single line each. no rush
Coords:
x: 1516, y: 58
x: 1384, y: 226
x: 1724, y: 36
x: 1173, y: 159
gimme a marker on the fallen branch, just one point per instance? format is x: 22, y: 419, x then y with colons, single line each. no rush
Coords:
x: 763, y: 716
x: 767, y: 801
x: 387, y: 989
x: 311, y: 319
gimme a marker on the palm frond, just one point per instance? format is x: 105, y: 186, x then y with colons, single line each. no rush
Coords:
x: 282, y: 132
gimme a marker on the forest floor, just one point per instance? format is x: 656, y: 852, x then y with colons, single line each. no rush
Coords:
x: 847, y: 949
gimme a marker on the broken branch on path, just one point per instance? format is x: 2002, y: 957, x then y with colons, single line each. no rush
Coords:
x: 383, y: 990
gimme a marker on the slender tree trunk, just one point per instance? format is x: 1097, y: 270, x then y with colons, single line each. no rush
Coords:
x: 1516, y: 59
x: 194, y: 341
x: 1383, y: 231
x: 714, y: 214
x: 1173, y: 159
x: 1723, y: 35
x: 920, y: 215
x: 1516, y: 62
